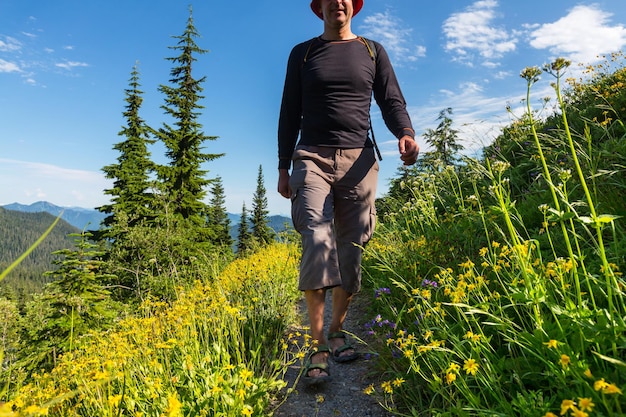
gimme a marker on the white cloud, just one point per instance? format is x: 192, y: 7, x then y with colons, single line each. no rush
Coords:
x: 26, y: 182
x: 472, y: 32
x: 6, y: 66
x: 9, y: 44
x: 394, y: 36
x: 581, y: 35
x: 69, y: 65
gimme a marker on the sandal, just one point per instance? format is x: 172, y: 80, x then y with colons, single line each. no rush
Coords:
x: 337, y: 353
x: 323, y: 367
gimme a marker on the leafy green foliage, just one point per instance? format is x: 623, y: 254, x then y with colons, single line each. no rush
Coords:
x: 498, y: 286
x: 72, y: 305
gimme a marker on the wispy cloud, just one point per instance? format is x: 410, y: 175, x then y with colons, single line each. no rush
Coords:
x: 9, y: 44
x: 62, y: 186
x: 581, y: 35
x: 472, y: 33
x: 69, y: 65
x: 6, y: 66
x: 394, y: 35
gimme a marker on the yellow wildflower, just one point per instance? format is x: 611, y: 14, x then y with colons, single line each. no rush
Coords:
x: 551, y: 344
x: 398, y: 381
x: 319, y: 398
x: 453, y: 368
x: 585, y: 404
x: 450, y: 377
x: 173, y: 406
x: 549, y: 414
x: 386, y: 386
x: 600, y: 384
x: 247, y: 411
x: 565, y: 361
x: 35, y: 410
x: 611, y: 389
x: 114, y: 400
x: 245, y: 374
x: 241, y: 393
x: 578, y: 413
x: 369, y: 390
x: 566, y: 405
x: 588, y: 373
x: 470, y: 366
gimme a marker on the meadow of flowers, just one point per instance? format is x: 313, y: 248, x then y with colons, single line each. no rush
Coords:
x: 493, y: 299
x: 220, y: 349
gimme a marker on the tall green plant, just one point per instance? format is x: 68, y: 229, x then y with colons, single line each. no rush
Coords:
x: 523, y: 325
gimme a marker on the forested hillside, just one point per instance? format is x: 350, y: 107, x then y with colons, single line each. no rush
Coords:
x: 19, y: 230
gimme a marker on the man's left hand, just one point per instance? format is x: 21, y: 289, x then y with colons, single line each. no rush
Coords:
x: 409, y: 149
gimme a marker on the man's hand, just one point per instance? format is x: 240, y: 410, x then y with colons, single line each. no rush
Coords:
x: 283, y: 183
x: 409, y: 149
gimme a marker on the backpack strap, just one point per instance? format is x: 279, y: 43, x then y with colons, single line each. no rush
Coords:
x: 371, y: 48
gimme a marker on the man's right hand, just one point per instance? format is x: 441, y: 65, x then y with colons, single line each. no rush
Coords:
x: 283, y: 183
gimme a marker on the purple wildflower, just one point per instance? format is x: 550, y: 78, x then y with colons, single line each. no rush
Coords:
x: 380, y: 291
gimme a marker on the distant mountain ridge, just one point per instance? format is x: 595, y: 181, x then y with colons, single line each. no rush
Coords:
x: 82, y: 218
x: 90, y: 219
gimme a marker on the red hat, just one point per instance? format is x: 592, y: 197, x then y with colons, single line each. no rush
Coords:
x: 315, y: 6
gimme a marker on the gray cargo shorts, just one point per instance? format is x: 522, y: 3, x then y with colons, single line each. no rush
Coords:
x: 332, y: 207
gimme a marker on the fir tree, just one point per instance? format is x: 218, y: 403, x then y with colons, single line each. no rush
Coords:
x: 131, y: 196
x: 184, y: 180
x: 261, y: 232
x: 217, y: 219
x: 75, y: 303
x: 443, y: 140
x: 244, y: 237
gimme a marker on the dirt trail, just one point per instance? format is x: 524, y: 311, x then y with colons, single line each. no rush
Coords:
x: 343, y: 395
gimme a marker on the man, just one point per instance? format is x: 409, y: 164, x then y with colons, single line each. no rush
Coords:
x: 326, y: 101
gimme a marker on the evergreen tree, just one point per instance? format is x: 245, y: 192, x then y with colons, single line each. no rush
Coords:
x: 73, y: 304
x: 244, y: 237
x: 217, y: 219
x: 261, y: 232
x: 184, y: 179
x: 131, y: 198
x: 443, y: 140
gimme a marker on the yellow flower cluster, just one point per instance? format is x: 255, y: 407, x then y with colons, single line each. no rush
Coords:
x: 387, y: 387
x: 193, y: 342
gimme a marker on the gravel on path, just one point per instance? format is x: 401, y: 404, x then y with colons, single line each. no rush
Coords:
x: 343, y: 395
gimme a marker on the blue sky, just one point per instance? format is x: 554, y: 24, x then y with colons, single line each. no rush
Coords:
x: 64, y: 66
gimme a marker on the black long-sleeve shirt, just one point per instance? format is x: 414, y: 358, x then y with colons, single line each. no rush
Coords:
x: 327, y: 96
